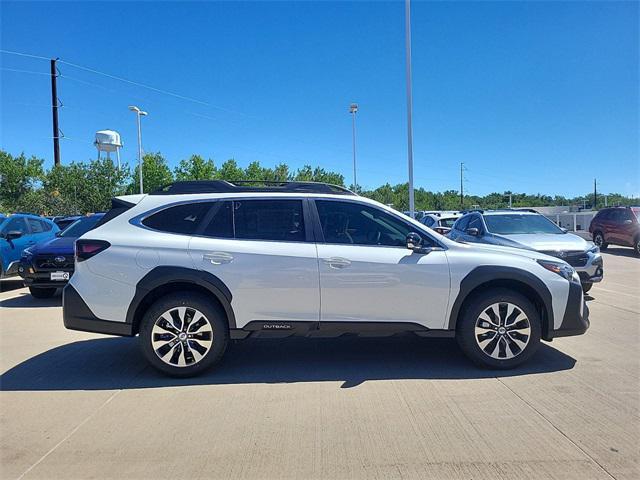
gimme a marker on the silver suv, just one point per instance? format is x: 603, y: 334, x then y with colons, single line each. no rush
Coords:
x: 530, y: 230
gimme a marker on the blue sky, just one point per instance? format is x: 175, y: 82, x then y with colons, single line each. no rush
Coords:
x: 531, y: 96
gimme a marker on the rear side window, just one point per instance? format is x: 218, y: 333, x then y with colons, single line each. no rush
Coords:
x: 183, y: 219
x: 221, y: 223
x: 46, y: 226
x: 428, y: 221
x: 35, y: 225
x: 280, y: 220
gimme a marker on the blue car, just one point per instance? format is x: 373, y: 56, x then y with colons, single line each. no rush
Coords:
x: 20, y: 231
x: 49, y: 265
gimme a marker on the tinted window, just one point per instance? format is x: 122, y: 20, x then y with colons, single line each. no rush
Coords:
x: 514, y: 223
x: 16, y: 224
x: 475, y: 222
x: 182, y: 219
x: 428, y: 221
x: 447, y: 222
x: 46, y: 226
x: 80, y: 227
x: 269, y: 220
x: 357, y: 224
x: 462, y: 223
x: 221, y: 224
x: 35, y: 225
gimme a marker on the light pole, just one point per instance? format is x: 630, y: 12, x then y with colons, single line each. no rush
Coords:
x: 407, y: 23
x: 139, y: 113
x: 353, y: 108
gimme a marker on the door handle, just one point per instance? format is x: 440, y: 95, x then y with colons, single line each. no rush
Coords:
x: 218, y: 258
x: 337, y: 262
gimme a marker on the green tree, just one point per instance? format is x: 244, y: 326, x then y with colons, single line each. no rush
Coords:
x: 195, y: 168
x: 231, y: 171
x: 18, y: 175
x: 155, y: 174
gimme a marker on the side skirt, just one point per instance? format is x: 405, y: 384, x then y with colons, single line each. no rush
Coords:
x: 275, y: 329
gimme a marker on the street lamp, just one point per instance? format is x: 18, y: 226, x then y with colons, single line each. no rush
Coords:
x: 353, y: 108
x: 139, y: 113
x: 407, y: 26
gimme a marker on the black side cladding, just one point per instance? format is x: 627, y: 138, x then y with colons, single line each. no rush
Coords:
x: 118, y: 207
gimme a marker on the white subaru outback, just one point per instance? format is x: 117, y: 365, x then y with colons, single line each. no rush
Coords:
x: 195, y: 264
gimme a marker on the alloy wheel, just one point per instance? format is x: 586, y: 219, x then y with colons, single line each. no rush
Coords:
x: 598, y: 240
x: 502, y: 331
x: 182, y: 336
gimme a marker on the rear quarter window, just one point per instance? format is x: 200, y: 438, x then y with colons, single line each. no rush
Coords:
x: 183, y: 219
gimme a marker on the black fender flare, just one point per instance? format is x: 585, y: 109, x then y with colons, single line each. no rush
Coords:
x: 486, y: 274
x: 167, y: 275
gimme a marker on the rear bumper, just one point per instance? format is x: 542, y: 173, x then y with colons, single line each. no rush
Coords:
x: 576, y: 315
x: 78, y: 316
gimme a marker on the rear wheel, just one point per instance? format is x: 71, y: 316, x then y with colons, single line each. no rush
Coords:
x: 598, y: 239
x: 499, y: 329
x: 38, y: 292
x: 184, y: 334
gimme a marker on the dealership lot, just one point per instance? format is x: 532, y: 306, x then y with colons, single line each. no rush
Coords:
x: 78, y: 405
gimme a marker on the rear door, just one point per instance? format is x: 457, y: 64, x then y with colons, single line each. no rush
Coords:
x: 263, y: 250
x: 368, y: 275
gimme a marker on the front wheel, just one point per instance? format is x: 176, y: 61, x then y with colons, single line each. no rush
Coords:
x: 183, y: 334
x: 598, y: 239
x: 37, y: 292
x: 586, y: 287
x: 499, y: 329
x: 636, y: 246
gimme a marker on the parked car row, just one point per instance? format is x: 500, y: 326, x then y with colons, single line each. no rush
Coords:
x: 40, y: 249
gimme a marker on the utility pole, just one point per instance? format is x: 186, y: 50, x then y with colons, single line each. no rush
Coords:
x: 461, y: 187
x: 407, y: 23
x: 353, y: 108
x: 595, y: 195
x: 54, y: 107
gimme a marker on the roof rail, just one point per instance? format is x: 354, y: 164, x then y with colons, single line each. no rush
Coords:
x: 238, y: 186
x: 478, y: 210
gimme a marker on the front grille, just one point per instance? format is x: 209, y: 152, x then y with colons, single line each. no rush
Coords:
x: 573, y: 258
x: 49, y: 262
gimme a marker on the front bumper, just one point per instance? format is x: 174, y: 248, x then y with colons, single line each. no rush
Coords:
x: 593, y: 270
x: 78, y: 316
x: 41, y: 277
x: 576, y: 315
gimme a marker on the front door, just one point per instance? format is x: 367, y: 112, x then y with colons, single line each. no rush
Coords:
x: 368, y: 275
x: 262, y: 249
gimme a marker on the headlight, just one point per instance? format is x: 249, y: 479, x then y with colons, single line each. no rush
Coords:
x: 594, y: 249
x: 562, y: 269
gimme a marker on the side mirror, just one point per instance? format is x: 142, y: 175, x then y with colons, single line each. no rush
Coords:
x: 442, y: 230
x: 13, y: 234
x: 564, y: 230
x: 414, y: 243
x: 628, y: 222
x: 473, y: 231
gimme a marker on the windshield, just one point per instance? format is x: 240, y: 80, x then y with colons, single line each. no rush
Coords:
x: 634, y: 210
x: 80, y: 226
x: 513, y: 224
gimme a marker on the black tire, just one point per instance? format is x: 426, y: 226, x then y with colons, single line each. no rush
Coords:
x: 636, y: 246
x: 217, y: 324
x: 598, y: 239
x: 38, y: 292
x: 479, y: 305
x: 586, y: 287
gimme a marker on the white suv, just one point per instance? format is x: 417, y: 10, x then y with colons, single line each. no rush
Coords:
x: 195, y: 264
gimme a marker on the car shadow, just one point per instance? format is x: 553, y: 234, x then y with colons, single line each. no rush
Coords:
x: 117, y: 363
x: 26, y: 300
x: 11, y: 284
x: 621, y: 252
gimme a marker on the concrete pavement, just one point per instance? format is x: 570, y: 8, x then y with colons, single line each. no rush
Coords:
x: 76, y: 405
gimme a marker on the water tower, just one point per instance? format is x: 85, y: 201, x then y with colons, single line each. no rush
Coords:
x: 108, y: 141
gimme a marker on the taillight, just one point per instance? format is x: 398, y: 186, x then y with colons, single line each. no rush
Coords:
x: 88, y: 248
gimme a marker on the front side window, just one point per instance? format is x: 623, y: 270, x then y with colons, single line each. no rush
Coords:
x: 475, y: 222
x: 16, y: 224
x: 462, y: 223
x: 183, y: 219
x: 356, y: 224
x: 520, y: 223
x: 280, y: 220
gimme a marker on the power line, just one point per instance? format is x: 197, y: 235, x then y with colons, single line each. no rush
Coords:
x: 24, y: 71
x: 21, y: 54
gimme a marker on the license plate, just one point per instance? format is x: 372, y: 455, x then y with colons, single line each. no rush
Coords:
x: 61, y: 276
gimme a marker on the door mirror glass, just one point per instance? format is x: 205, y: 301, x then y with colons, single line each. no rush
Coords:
x: 414, y: 241
x: 13, y: 234
x: 473, y: 231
